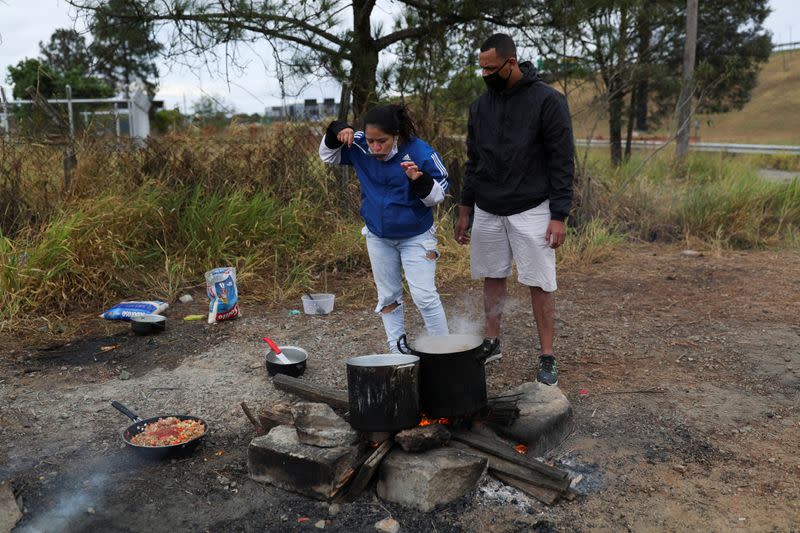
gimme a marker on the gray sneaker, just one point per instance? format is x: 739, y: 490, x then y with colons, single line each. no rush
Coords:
x: 548, y: 370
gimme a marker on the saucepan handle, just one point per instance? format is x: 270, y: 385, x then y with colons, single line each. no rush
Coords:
x: 125, y: 411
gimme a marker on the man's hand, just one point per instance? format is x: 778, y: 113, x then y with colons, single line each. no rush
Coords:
x: 556, y: 233
x: 345, y: 136
x: 462, y: 225
x: 412, y: 170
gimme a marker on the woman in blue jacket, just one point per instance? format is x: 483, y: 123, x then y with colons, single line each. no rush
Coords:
x: 401, y: 178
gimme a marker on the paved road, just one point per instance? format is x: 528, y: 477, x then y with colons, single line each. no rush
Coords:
x: 709, y: 147
x: 778, y: 175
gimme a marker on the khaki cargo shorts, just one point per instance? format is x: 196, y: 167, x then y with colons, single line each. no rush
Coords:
x: 497, y: 241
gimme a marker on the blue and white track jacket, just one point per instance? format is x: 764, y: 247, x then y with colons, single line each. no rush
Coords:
x: 392, y: 205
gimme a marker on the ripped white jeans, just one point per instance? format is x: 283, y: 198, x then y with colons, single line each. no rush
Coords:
x: 417, y: 257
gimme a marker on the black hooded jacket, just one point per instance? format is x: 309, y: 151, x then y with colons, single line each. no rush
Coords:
x: 520, y: 149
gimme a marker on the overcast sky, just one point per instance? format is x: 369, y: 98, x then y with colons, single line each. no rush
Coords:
x: 23, y: 23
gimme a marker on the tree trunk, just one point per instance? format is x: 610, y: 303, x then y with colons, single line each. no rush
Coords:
x: 629, y: 133
x: 641, y: 90
x: 615, y: 104
x: 685, y: 98
x: 644, y: 34
x: 364, y: 67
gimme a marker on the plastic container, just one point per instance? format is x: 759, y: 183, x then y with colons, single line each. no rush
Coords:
x: 318, y: 304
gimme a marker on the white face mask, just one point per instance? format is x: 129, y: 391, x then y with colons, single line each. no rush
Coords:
x: 391, y: 154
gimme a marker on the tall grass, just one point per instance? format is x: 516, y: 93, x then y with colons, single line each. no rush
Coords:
x: 717, y: 198
x: 147, y: 223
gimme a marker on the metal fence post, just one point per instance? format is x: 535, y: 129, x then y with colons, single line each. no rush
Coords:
x: 69, y: 112
x: 4, y: 101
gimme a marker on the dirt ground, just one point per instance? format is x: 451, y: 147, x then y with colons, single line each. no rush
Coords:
x: 692, y: 366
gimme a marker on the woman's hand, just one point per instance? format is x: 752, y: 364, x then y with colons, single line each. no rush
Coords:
x: 345, y: 136
x: 412, y: 171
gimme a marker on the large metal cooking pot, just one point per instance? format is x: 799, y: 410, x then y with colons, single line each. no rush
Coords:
x: 452, y: 375
x: 383, y: 392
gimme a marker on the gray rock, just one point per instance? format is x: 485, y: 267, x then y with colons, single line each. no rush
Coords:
x: 186, y: 298
x: 425, y: 480
x: 9, y: 510
x: 387, y: 525
x: 124, y: 375
x: 280, y: 459
x: 319, y: 425
x: 544, y: 414
x: 419, y: 439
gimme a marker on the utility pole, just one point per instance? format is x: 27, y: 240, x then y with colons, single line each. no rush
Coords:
x: 685, y: 99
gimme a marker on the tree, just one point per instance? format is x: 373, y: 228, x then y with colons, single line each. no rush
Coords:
x: 635, y: 49
x: 211, y: 111
x: 436, y: 75
x: 66, y: 50
x: 31, y: 73
x: 51, y: 83
x: 124, y: 46
x: 330, y: 37
x: 684, y: 111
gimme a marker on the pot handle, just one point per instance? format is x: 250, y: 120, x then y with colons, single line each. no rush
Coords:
x: 483, y: 355
x: 398, y: 368
x: 125, y: 411
x: 405, y: 344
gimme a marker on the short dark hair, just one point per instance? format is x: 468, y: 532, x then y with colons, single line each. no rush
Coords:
x: 502, y: 43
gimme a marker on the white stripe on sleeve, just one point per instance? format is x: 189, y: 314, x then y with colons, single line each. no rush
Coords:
x: 439, y: 164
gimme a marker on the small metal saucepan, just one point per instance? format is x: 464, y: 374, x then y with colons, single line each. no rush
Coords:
x: 289, y: 360
x: 148, y: 324
x: 157, y: 452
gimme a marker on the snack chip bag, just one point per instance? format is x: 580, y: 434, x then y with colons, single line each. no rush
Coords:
x: 223, y: 294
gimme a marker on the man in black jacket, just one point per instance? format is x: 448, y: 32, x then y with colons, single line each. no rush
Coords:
x: 518, y: 182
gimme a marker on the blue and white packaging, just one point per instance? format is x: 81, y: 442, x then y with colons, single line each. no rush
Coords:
x: 223, y: 294
x: 128, y: 310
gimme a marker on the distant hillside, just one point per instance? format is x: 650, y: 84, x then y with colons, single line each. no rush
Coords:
x: 772, y: 116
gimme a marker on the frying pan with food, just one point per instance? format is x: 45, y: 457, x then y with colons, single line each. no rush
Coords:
x: 157, y: 452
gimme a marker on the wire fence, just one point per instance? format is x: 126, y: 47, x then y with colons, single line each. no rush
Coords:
x: 281, y: 158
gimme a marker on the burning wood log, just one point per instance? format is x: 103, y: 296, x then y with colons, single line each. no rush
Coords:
x: 546, y: 496
x: 498, y: 465
x: 422, y: 438
x: 501, y: 450
x: 315, y: 393
x: 256, y: 424
x: 277, y: 415
x: 500, y: 410
x: 365, y: 473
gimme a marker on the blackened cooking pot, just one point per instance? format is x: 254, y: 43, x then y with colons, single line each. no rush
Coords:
x: 452, y: 375
x: 383, y: 392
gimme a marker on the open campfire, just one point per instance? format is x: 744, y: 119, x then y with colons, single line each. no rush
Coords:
x: 309, y: 446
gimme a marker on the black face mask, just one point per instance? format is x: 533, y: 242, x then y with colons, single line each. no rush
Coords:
x: 494, y: 81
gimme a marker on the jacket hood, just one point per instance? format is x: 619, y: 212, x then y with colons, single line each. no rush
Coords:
x: 529, y: 76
